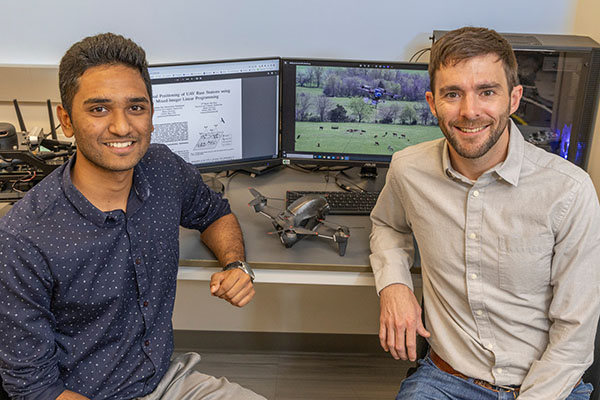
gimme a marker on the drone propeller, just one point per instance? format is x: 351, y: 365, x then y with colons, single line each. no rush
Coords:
x: 304, y: 231
x: 255, y: 192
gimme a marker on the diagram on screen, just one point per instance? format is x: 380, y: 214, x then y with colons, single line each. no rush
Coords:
x: 212, y: 136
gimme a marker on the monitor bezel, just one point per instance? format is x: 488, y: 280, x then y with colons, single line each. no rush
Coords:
x: 254, y: 165
x: 288, y: 104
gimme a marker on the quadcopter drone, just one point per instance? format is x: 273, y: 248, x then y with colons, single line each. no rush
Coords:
x: 375, y: 95
x: 27, y: 156
x: 302, y: 218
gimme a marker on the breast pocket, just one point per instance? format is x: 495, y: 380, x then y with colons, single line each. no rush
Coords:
x: 524, y: 263
x: 165, y: 262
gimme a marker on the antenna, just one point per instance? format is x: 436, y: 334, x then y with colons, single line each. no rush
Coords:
x: 51, y: 117
x: 19, y: 116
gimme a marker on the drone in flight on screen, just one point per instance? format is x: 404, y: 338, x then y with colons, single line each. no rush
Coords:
x: 304, y: 217
x: 376, y: 95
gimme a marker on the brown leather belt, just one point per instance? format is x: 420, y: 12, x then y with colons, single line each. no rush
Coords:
x: 444, y: 366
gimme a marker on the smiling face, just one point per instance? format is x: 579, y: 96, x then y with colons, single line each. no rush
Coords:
x: 111, y: 119
x: 472, y: 103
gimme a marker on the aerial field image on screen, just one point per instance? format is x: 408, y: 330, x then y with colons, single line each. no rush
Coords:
x: 361, y: 110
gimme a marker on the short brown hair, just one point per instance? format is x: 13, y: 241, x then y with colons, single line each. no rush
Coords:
x: 468, y: 42
x: 93, y: 51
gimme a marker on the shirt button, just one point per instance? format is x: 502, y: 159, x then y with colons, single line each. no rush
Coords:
x: 138, y: 261
x: 473, y: 276
x: 479, y: 312
x: 145, y: 304
x: 472, y: 236
x: 499, y: 370
x: 476, y: 193
x: 489, y: 346
x: 147, y: 343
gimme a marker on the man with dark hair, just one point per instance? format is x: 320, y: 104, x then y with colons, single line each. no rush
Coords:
x: 509, y: 239
x: 89, y: 257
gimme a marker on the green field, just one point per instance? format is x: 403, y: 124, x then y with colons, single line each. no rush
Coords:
x: 324, y: 137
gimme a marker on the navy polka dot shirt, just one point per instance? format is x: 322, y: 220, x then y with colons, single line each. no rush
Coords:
x: 87, y: 296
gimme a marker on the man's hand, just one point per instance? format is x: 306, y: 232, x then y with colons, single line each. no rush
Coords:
x: 400, y: 322
x: 233, y: 285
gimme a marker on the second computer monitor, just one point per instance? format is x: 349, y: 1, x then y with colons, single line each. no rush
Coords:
x: 218, y: 115
x: 353, y: 112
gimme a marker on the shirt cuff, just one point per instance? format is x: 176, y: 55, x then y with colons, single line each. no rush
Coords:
x: 389, y: 267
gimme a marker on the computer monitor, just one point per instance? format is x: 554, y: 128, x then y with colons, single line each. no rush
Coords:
x: 219, y: 115
x: 341, y: 112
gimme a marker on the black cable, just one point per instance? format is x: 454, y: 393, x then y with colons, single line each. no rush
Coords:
x: 301, y: 168
x: 417, y: 60
x: 344, y: 186
x: 418, y: 54
x: 229, y: 176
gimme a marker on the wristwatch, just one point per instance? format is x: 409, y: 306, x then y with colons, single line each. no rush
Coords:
x: 243, y: 265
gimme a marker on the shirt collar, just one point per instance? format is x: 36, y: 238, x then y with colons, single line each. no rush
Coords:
x: 139, y: 193
x: 508, y: 170
x: 140, y: 190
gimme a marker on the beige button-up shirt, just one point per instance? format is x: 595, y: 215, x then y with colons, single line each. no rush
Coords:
x: 510, y: 262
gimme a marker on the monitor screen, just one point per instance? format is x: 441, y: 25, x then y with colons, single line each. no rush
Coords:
x: 353, y: 112
x: 218, y: 115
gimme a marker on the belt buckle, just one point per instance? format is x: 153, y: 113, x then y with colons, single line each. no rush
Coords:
x: 495, y: 388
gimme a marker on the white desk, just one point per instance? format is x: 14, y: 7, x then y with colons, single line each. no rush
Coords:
x: 310, y: 261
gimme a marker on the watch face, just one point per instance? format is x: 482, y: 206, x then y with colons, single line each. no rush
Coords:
x: 244, y: 266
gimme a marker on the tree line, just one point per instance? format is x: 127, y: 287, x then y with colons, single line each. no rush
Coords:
x: 322, y: 109
x: 349, y: 82
x: 352, y: 83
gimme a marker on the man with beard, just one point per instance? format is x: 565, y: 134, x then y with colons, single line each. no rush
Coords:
x: 509, y: 239
x: 89, y: 257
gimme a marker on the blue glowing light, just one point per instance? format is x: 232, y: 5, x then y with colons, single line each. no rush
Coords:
x: 565, y: 140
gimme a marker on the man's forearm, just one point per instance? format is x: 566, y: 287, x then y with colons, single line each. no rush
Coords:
x: 224, y: 238
x: 68, y: 395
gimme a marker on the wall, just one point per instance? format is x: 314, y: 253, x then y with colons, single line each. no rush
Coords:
x: 39, y: 32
